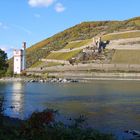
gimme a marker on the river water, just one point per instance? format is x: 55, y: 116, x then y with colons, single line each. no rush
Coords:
x: 110, y: 106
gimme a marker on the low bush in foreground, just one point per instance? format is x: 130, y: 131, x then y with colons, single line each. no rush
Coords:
x: 42, y: 126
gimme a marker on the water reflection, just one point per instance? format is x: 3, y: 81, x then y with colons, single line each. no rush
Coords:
x: 109, y: 105
x: 15, y: 98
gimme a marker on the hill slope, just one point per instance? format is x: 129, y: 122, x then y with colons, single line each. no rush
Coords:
x: 85, y: 30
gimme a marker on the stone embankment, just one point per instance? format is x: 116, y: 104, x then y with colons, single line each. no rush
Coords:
x: 91, y: 71
x: 88, y: 67
x: 89, y: 76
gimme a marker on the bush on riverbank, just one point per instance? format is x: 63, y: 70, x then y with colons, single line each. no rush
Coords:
x: 3, y: 63
x: 42, y: 126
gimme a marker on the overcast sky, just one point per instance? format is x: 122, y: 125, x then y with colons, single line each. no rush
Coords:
x: 35, y: 20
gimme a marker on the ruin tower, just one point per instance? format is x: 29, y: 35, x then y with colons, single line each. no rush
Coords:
x: 99, y: 42
x: 93, y: 41
x: 20, y: 59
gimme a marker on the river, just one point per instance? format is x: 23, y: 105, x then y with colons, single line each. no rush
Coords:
x: 110, y: 106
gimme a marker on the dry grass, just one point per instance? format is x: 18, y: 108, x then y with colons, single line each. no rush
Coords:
x: 50, y: 64
x: 126, y: 57
x: 73, y: 45
x: 121, y: 35
x: 45, y: 64
x: 63, y: 56
x: 37, y: 64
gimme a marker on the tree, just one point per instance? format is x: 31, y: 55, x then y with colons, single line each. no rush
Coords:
x: 3, y: 62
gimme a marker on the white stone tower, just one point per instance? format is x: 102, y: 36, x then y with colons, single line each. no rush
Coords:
x: 20, y: 59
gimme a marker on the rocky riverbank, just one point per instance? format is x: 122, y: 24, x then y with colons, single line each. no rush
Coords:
x: 38, y: 80
x: 14, y: 79
x: 53, y: 80
x: 74, y: 77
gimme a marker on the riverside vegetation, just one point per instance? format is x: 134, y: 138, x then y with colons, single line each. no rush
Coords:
x: 43, y: 126
x: 3, y: 63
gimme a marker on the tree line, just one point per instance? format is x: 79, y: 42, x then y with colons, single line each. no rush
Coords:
x: 3, y: 63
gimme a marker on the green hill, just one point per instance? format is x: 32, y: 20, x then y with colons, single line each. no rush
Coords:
x: 82, y: 31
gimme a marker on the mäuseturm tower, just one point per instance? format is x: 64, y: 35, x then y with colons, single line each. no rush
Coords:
x: 20, y: 59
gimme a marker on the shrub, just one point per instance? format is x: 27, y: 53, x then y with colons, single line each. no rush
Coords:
x: 1, y: 110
